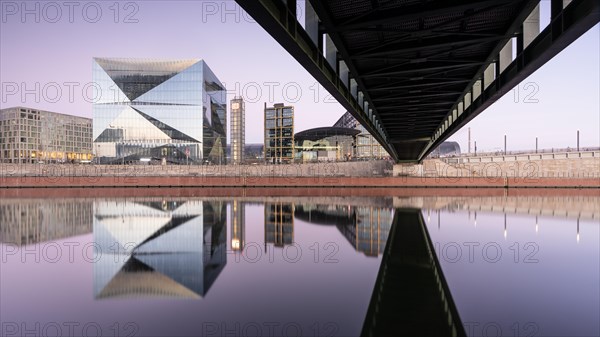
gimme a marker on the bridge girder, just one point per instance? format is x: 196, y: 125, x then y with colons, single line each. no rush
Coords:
x: 414, y: 74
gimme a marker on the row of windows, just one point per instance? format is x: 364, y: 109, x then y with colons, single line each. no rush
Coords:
x: 36, y: 145
x: 32, y: 125
x: 30, y: 116
x: 285, y: 112
x: 45, y: 155
x: 6, y: 125
x: 288, y: 132
x: 280, y: 152
x: 17, y: 134
x: 272, y: 123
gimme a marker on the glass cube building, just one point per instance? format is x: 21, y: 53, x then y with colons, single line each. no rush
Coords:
x: 161, y: 111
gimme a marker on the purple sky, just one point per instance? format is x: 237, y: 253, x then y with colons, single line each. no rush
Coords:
x: 251, y: 63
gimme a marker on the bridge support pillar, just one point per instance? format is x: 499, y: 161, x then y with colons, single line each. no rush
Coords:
x: 331, y: 53
x: 344, y: 73
x: 505, y: 57
x: 531, y: 26
x: 407, y: 169
x: 353, y: 88
x: 489, y: 75
x: 477, y: 89
x: 311, y: 23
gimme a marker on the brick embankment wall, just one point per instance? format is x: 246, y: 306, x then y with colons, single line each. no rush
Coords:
x: 293, y: 182
x: 330, y: 175
x: 347, y: 169
x: 311, y: 192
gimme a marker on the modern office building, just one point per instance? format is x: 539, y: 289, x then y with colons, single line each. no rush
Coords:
x: 367, y: 147
x: 31, y: 136
x: 237, y: 130
x: 169, y: 111
x: 279, y: 134
x: 279, y: 223
x: 325, y: 144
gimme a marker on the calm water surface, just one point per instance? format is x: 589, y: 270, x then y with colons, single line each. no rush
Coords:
x: 526, y: 266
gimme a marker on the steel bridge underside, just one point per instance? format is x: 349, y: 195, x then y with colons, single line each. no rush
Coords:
x: 415, y: 72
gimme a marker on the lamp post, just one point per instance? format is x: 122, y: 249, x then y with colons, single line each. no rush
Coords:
x: 577, y: 140
x: 536, y: 144
x: 505, y: 144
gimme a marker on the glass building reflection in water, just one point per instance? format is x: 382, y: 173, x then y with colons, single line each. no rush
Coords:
x: 279, y: 223
x: 31, y: 221
x: 168, y: 111
x: 365, y: 227
x: 158, y: 248
x: 175, y: 248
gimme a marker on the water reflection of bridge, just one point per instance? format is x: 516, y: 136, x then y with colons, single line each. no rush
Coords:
x: 174, y: 246
x: 411, y: 297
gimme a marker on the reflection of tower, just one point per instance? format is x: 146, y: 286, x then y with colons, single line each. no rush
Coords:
x: 279, y: 224
x: 238, y: 223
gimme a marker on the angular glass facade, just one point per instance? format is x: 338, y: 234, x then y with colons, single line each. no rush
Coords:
x: 169, y: 111
x: 325, y: 144
x: 367, y: 147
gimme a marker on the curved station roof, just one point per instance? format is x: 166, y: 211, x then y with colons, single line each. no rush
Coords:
x: 322, y: 132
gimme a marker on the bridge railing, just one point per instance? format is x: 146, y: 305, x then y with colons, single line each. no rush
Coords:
x: 518, y: 156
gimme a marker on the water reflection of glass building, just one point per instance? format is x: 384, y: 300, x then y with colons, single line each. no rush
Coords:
x: 160, y: 110
x: 369, y: 233
x: 30, y: 221
x: 158, y: 248
x: 366, y: 228
x: 279, y: 223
